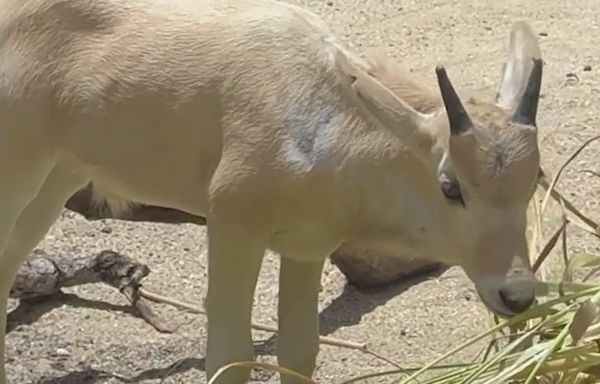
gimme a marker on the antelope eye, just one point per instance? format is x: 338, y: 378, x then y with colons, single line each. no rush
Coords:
x: 451, y: 190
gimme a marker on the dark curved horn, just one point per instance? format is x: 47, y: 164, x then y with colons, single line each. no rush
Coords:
x: 527, y: 110
x: 457, y: 115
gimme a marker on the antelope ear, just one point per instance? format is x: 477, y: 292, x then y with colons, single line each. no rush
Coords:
x: 381, y: 103
x: 523, y: 51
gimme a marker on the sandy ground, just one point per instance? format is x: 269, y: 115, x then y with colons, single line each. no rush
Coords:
x: 90, y: 336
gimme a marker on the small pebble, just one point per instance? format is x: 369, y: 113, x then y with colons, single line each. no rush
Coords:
x: 572, y: 77
x: 587, y: 67
x: 106, y: 229
x: 330, y: 3
x: 543, y: 34
x: 62, y: 352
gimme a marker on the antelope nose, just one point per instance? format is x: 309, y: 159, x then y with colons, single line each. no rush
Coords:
x: 518, y: 295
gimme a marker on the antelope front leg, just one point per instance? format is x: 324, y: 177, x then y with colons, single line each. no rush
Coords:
x: 234, y: 261
x: 23, y: 169
x: 31, y: 226
x: 298, y: 337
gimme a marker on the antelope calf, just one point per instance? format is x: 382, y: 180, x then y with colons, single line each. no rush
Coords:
x: 251, y: 114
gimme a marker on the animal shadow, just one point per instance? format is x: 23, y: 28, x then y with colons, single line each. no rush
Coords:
x: 353, y: 303
x: 30, y: 310
x: 94, y: 376
x: 346, y: 309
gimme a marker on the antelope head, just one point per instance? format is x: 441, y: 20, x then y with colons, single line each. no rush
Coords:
x: 485, y: 160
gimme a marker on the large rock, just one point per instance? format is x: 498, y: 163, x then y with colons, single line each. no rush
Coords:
x: 367, y: 268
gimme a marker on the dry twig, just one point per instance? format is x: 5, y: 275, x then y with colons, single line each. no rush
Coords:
x: 157, y: 298
x: 45, y: 275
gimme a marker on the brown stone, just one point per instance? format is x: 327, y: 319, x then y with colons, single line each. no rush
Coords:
x: 366, y: 268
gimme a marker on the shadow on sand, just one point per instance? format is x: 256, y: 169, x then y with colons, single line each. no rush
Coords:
x: 345, y: 310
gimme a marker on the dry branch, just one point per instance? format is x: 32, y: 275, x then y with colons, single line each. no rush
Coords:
x: 45, y: 275
x: 261, y: 327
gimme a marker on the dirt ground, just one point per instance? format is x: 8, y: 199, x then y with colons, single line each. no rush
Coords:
x: 90, y: 336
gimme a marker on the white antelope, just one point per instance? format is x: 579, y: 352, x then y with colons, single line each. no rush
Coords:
x: 248, y: 112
